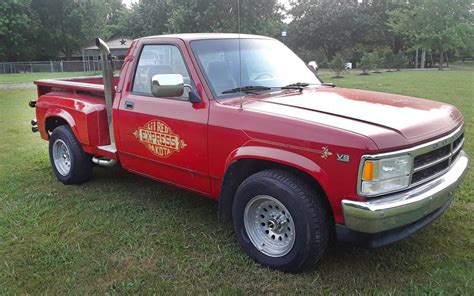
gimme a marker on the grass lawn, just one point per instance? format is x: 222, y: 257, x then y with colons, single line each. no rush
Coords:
x: 30, y: 77
x: 124, y: 234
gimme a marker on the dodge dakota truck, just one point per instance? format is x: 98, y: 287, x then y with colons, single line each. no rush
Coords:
x: 295, y: 164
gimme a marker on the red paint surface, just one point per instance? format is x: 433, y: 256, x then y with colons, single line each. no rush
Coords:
x: 286, y: 127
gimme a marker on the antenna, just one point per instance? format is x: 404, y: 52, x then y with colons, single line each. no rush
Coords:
x: 240, y: 56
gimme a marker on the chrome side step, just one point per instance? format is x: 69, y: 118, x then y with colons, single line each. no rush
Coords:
x: 104, y: 161
x: 108, y: 148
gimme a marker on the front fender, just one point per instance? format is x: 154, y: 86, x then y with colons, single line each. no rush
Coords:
x: 281, y: 156
x: 231, y: 181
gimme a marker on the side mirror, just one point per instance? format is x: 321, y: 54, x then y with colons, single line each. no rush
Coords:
x: 167, y: 85
x: 313, y: 66
x: 194, y: 97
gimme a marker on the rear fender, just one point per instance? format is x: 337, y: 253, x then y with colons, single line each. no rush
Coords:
x: 66, y: 116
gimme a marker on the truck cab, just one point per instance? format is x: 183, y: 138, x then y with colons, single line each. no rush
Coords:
x: 293, y: 163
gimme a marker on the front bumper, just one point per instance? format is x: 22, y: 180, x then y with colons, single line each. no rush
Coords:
x: 404, y: 209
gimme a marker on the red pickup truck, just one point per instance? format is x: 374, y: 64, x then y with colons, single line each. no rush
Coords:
x: 294, y: 163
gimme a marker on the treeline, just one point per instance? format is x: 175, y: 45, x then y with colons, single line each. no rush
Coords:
x: 382, y: 33
x: 42, y: 29
x: 316, y: 29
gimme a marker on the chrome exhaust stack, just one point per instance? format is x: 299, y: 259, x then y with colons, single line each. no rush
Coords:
x: 109, y: 91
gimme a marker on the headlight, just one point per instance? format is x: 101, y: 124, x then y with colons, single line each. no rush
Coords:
x: 385, y: 175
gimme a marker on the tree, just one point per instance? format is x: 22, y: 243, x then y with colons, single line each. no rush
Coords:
x: 387, y: 58
x: 338, y: 65
x: 148, y: 17
x: 399, y: 61
x: 377, y: 61
x: 67, y: 25
x: 17, y: 29
x: 369, y: 61
x: 327, y: 22
x: 117, y: 16
x: 435, y: 25
x: 151, y: 17
x: 341, y: 25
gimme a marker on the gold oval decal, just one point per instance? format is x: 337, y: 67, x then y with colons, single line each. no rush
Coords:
x: 159, y: 138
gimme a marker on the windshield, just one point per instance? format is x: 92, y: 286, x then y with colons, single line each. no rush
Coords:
x: 265, y: 62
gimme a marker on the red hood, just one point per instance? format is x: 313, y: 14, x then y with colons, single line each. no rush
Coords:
x: 390, y: 120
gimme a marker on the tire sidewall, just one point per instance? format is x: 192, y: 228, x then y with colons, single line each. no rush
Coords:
x: 62, y: 134
x: 291, y: 200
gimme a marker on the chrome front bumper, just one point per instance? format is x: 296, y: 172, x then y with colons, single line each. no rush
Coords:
x: 400, y: 209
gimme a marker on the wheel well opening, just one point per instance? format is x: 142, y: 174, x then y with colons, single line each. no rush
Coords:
x: 53, y: 122
x: 239, y: 170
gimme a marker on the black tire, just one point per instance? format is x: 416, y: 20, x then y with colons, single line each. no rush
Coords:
x: 306, y: 208
x: 80, y: 162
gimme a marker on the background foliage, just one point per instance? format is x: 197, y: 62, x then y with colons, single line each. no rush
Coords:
x: 317, y: 29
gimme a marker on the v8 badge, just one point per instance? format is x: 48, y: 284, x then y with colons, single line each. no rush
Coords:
x: 343, y: 157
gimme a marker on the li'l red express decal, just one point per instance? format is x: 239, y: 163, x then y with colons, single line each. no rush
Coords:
x: 159, y: 138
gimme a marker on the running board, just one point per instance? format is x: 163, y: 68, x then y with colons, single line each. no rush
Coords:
x: 109, y: 151
x: 103, y: 161
x: 108, y: 148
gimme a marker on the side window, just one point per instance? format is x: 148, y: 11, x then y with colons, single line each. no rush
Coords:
x: 159, y: 59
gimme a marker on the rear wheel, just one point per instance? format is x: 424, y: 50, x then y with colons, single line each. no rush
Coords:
x: 280, y: 221
x: 70, y: 163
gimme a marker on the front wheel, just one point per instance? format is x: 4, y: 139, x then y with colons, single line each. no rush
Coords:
x: 70, y: 163
x: 280, y: 221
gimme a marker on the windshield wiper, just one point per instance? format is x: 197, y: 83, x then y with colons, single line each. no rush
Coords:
x: 297, y: 85
x: 247, y: 89
x: 328, y: 84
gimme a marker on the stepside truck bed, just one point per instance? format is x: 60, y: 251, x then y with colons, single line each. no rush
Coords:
x: 80, y: 103
x: 93, y: 84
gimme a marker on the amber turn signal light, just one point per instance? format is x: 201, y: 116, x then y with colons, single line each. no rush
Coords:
x: 368, y: 172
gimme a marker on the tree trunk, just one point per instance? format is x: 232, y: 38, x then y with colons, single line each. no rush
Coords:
x: 416, y: 59
x: 67, y: 54
x: 432, y: 60
x: 423, y: 58
x: 447, y: 61
x: 326, y: 52
x: 441, y: 56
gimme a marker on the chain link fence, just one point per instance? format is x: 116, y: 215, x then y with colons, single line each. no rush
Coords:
x: 54, y: 66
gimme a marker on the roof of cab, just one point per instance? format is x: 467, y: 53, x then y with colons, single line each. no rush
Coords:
x: 204, y: 36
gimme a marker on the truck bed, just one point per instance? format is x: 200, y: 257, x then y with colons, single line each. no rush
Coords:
x: 80, y: 101
x: 93, y: 84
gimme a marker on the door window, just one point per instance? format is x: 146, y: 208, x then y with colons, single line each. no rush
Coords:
x: 159, y: 59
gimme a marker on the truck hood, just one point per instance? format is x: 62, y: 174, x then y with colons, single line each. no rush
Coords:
x: 366, y: 112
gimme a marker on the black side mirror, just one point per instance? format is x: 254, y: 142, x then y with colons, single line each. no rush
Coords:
x: 194, y: 97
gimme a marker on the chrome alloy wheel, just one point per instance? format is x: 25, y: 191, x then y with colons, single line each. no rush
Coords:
x: 269, y: 225
x: 61, y: 157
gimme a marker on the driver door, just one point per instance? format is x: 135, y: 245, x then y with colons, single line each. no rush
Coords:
x: 163, y: 138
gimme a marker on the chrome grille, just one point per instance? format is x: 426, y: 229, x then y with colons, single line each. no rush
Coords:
x: 430, y: 160
x: 420, y: 175
x: 437, y: 160
x: 434, y: 156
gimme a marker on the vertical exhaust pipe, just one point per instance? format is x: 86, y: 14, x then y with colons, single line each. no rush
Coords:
x: 109, y: 91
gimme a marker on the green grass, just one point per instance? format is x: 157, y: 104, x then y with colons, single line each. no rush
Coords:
x: 123, y: 234
x: 30, y: 77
